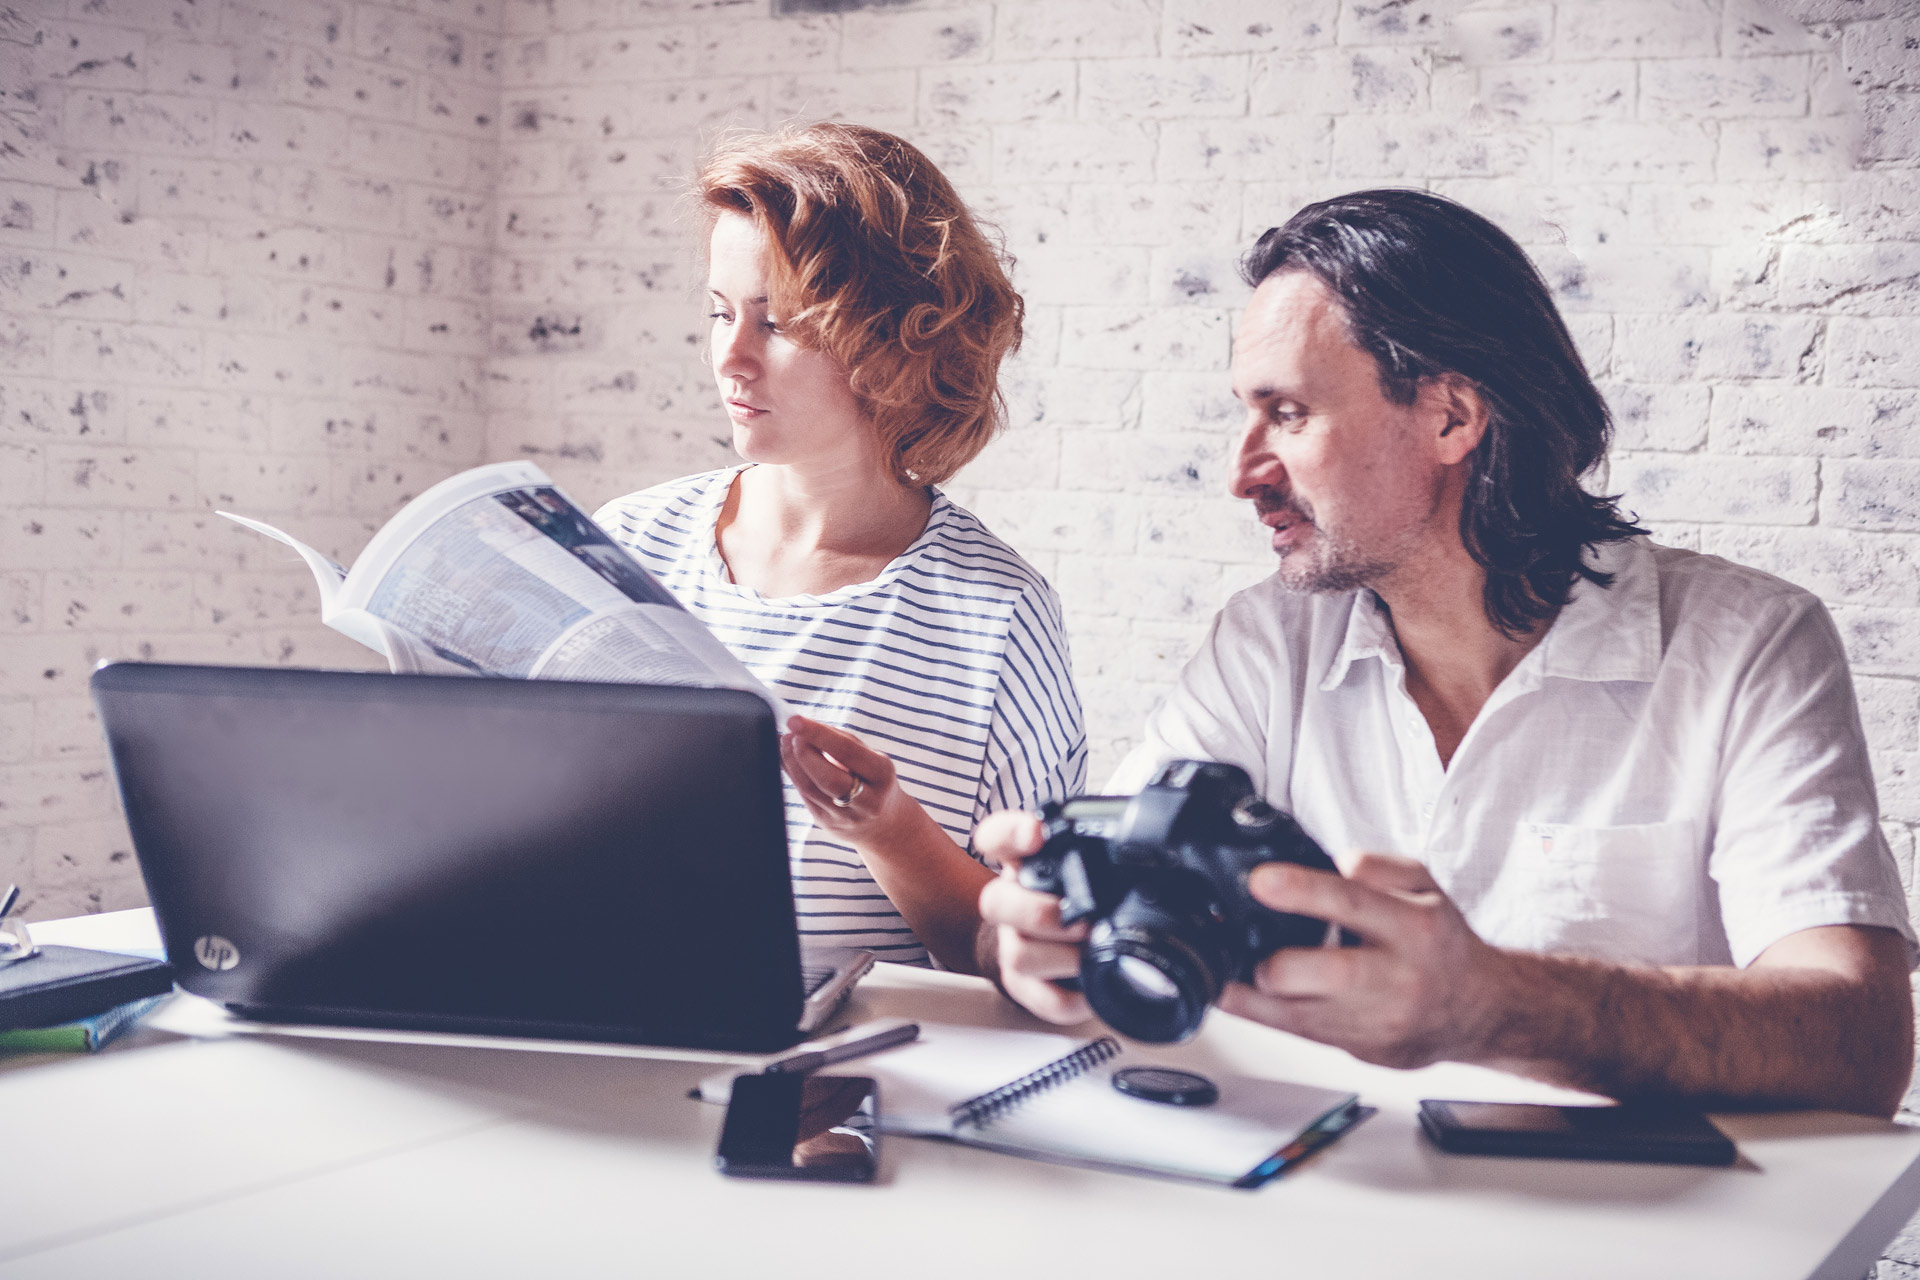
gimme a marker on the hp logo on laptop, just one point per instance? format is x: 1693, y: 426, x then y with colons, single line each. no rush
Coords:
x: 215, y: 952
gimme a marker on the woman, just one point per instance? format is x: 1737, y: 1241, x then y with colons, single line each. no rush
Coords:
x: 859, y: 317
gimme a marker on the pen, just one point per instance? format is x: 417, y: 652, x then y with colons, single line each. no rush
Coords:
x: 814, y: 1059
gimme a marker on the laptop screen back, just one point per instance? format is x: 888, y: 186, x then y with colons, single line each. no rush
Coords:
x: 523, y: 857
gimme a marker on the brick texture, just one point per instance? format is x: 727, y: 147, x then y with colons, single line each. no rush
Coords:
x: 243, y: 256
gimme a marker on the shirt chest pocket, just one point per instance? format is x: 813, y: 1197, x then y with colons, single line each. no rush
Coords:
x: 1627, y: 893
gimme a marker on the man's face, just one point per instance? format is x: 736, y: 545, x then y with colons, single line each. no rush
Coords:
x: 1348, y: 481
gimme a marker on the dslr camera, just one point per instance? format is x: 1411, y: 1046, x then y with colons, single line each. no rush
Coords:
x: 1163, y: 877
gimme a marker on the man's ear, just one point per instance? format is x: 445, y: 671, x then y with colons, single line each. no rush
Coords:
x: 1460, y: 413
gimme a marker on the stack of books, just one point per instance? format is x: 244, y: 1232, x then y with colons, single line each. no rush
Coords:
x: 70, y: 999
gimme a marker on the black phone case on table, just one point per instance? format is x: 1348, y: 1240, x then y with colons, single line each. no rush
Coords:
x: 1635, y: 1133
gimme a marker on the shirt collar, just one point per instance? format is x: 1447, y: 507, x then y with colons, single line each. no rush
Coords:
x: 1369, y: 635
x: 1601, y: 633
x: 1609, y: 633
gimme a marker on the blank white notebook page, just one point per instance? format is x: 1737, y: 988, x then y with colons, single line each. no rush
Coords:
x: 1087, y: 1118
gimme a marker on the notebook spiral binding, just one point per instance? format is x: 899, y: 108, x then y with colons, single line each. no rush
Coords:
x: 984, y: 1108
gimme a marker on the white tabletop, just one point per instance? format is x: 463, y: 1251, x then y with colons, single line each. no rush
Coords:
x: 207, y: 1148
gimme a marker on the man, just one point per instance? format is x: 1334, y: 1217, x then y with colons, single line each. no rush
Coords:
x: 1620, y: 826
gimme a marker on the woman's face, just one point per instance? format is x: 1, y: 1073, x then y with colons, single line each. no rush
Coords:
x: 789, y: 405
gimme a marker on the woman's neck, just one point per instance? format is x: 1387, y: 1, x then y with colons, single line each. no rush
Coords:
x: 784, y: 531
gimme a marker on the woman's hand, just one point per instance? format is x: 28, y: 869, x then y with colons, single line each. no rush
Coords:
x: 854, y: 792
x: 851, y: 789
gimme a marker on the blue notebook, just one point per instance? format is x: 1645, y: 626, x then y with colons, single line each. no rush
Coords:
x: 83, y: 1035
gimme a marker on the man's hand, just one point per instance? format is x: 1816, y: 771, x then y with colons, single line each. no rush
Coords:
x: 1421, y: 987
x: 1024, y: 947
x: 1823, y: 1018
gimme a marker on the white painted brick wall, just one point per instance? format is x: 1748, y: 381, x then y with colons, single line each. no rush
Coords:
x: 243, y: 263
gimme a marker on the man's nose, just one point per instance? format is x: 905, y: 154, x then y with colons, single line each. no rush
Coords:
x: 1255, y: 465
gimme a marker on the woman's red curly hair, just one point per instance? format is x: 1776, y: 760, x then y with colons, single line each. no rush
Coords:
x: 875, y: 261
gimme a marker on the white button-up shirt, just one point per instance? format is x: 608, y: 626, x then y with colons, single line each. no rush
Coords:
x: 1675, y: 774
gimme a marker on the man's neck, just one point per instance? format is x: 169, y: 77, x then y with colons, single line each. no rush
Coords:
x: 1455, y: 657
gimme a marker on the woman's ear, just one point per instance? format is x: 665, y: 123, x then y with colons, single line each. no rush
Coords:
x: 1459, y: 412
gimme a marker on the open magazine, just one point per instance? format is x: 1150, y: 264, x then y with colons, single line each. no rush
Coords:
x: 496, y: 572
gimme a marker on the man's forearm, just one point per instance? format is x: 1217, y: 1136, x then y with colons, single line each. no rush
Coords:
x: 1779, y: 1035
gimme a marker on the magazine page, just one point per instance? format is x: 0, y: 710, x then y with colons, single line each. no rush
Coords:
x: 518, y: 486
x: 329, y: 578
x: 496, y: 572
x: 407, y: 656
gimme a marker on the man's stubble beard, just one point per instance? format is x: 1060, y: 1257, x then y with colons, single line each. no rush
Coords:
x: 1329, y: 563
x: 1329, y: 566
x: 1332, y: 563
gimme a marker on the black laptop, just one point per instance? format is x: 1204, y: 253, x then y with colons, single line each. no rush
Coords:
x: 445, y: 853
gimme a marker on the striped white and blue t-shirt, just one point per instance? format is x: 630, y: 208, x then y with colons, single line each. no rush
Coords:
x: 953, y: 661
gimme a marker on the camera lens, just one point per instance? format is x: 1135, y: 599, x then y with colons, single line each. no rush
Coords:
x: 1152, y: 988
x: 1153, y: 966
x: 1147, y: 982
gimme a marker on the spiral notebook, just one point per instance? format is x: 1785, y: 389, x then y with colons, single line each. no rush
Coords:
x: 1051, y: 1098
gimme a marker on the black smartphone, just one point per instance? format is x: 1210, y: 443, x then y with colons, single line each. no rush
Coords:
x: 806, y: 1127
x: 1647, y: 1132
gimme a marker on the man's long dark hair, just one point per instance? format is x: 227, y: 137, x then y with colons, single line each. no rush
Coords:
x: 1430, y: 288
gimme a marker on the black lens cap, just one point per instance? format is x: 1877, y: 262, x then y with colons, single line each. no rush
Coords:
x: 1164, y: 1084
